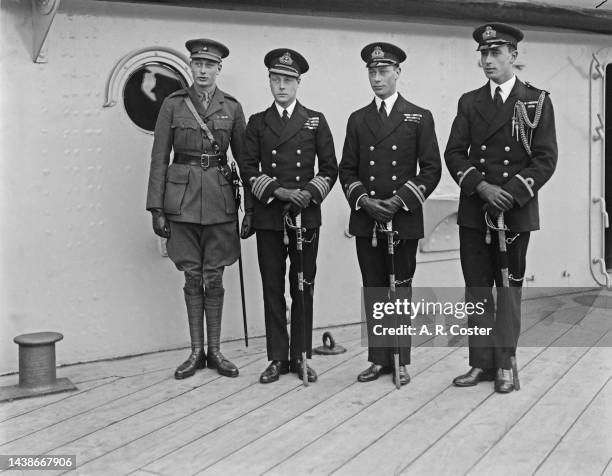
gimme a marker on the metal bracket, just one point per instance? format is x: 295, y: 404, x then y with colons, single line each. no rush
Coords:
x: 604, y: 213
x: 43, y: 13
x: 599, y: 134
x: 599, y: 70
x: 602, y: 267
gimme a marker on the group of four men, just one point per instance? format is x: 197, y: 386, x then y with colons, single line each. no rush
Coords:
x: 501, y: 150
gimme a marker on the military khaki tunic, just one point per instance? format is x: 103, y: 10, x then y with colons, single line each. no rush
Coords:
x: 189, y: 193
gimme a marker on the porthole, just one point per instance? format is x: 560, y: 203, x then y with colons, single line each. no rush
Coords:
x: 145, y: 91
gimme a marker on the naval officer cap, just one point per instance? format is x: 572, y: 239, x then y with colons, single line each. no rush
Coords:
x: 491, y: 35
x: 287, y: 62
x: 203, y: 48
x: 382, y: 54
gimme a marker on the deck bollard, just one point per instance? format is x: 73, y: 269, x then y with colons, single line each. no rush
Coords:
x: 37, y: 374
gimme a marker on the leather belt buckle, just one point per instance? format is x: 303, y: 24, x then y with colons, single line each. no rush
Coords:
x: 205, y: 161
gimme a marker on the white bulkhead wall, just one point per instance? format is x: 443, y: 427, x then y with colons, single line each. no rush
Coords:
x: 78, y: 253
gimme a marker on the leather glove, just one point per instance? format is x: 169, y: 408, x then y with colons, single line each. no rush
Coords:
x: 161, y: 226
x: 376, y: 210
x: 247, y: 226
x: 495, y: 196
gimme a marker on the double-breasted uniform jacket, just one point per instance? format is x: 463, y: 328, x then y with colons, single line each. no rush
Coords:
x: 190, y: 193
x: 483, y: 145
x: 284, y: 156
x: 397, y: 156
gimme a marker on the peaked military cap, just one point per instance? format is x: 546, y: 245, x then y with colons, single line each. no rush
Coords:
x: 491, y: 35
x: 203, y: 48
x: 382, y: 54
x: 286, y: 61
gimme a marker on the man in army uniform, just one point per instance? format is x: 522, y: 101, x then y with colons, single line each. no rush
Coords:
x: 385, y: 142
x: 502, y: 148
x: 191, y: 199
x: 278, y: 161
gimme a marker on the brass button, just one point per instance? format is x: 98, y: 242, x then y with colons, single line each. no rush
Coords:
x: 506, y: 162
x: 394, y: 147
x: 273, y: 164
x: 372, y: 178
x: 394, y: 178
x: 274, y: 152
x: 482, y: 160
x: 505, y: 174
x: 298, y: 152
x: 372, y: 193
x: 273, y: 178
x: 372, y: 162
x: 299, y: 164
x: 297, y: 179
x: 394, y: 163
x: 483, y: 147
x: 394, y: 192
x: 507, y: 149
x: 371, y: 147
x: 482, y: 173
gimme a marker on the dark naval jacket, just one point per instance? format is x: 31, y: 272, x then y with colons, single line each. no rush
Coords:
x: 483, y: 145
x: 284, y: 156
x: 397, y: 156
x: 190, y: 193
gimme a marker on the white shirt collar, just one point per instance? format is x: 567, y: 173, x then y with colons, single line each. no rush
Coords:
x: 505, y: 87
x: 289, y: 108
x: 389, y: 102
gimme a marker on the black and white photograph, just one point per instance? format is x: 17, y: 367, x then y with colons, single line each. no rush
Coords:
x: 309, y: 237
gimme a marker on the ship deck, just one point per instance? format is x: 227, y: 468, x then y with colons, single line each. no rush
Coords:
x: 130, y: 416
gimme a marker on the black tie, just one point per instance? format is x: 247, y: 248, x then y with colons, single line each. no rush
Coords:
x: 285, y: 117
x: 383, y: 111
x: 497, y: 99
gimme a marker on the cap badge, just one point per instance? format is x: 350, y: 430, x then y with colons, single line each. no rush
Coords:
x: 378, y: 53
x: 286, y: 58
x: 489, y: 33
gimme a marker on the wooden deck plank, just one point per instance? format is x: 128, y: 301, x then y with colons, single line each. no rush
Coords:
x: 16, y: 408
x: 343, y: 441
x: 89, y: 375
x: 449, y: 410
x: 159, y: 397
x: 587, y: 445
x: 63, y: 410
x: 40, y: 419
x: 457, y: 450
x: 527, y: 443
x: 260, y: 451
x: 148, y: 439
x: 334, y: 450
x: 259, y: 420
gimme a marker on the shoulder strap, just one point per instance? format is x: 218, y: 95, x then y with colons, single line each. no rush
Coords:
x: 202, y: 124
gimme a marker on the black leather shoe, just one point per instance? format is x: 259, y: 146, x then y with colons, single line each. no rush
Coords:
x: 404, y: 376
x: 274, y: 371
x: 371, y: 373
x: 296, y: 367
x: 196, y: 360
x: 223, y: 366
x: 503, y: 381
x: 473, y: 376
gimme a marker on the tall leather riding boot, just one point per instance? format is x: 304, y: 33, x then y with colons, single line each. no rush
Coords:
x: 213, y: 304
x: 194, y: 299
